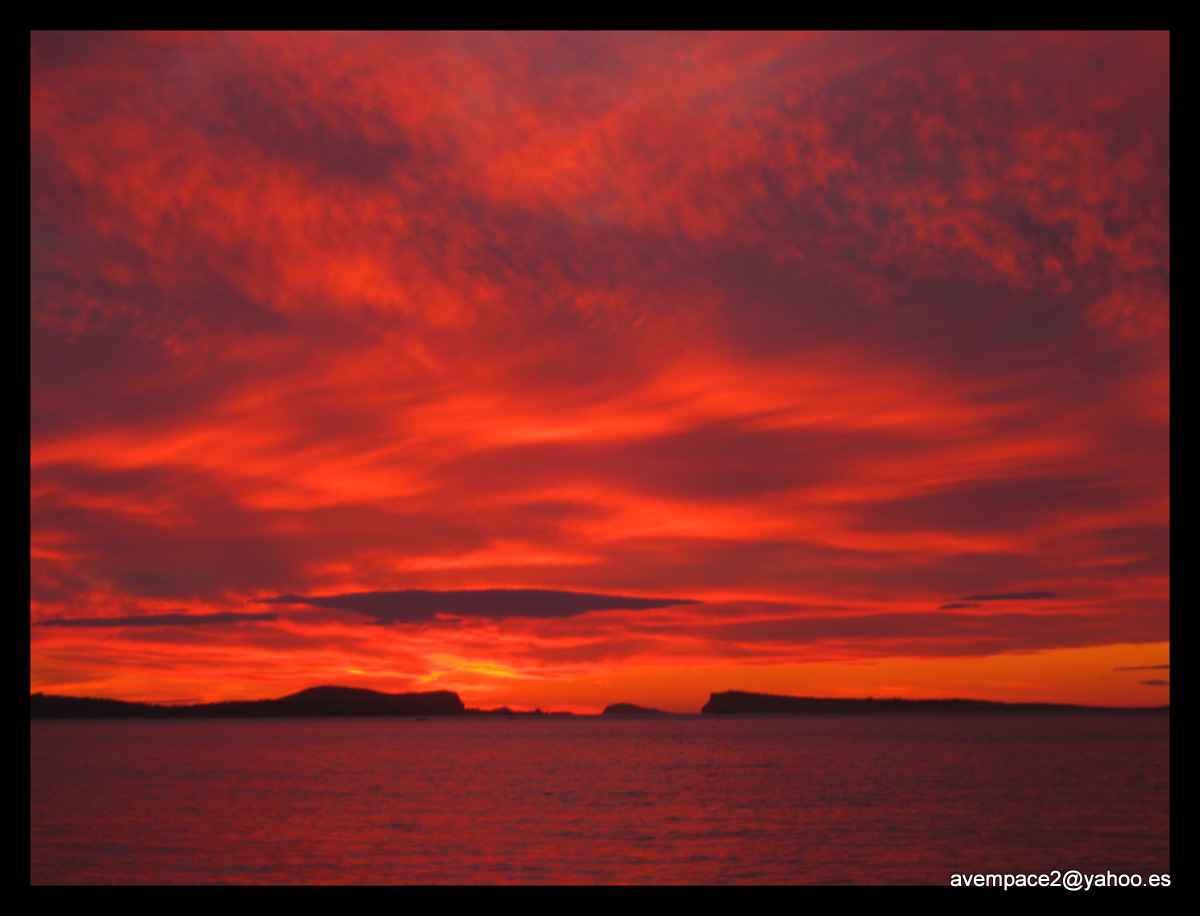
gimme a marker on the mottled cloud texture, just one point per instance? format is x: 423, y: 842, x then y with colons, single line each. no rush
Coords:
x: 820, y: 331
x: 154, y: 620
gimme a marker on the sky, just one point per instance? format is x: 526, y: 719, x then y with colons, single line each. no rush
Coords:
x: 568, y: 369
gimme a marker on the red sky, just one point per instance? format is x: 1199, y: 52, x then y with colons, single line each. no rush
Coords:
x: 857, y: 343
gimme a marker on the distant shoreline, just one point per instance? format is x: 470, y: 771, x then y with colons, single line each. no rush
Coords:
x: 353, y: 702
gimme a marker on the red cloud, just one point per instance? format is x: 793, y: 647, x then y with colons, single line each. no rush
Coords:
x: 861, y: 321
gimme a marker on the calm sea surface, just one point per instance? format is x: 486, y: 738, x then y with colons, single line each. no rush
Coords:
x: 689, y: 799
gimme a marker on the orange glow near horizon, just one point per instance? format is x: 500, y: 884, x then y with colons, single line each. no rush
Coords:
x: 858, y: 344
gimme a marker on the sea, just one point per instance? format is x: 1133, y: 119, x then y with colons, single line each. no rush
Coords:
x: 793, y: 800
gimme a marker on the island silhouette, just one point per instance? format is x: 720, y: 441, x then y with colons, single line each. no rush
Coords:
x: 353, y: 702
x: 325, y: 701
x: 629, y: 709
x: 733, y: 702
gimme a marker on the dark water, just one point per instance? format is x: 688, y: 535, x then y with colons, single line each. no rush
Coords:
x: 856, y: 799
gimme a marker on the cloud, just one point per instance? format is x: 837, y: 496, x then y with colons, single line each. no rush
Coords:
x: 1142, y: 668
x: 1155, y: 683
x: 157, y: 620
x: 1003, y: 505
x: 1010, y: 596
x: 411, y: 605
x: 920, y: 633
x: 841, y: 320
